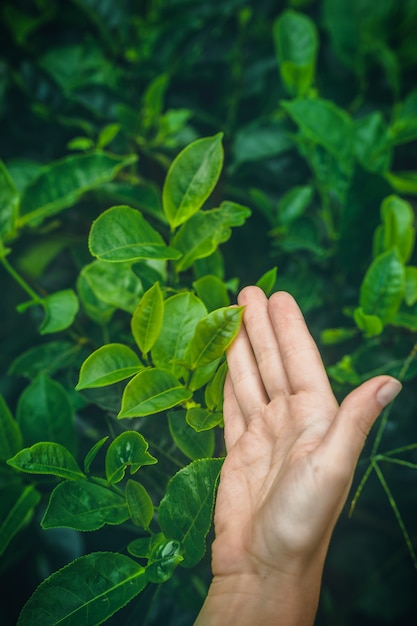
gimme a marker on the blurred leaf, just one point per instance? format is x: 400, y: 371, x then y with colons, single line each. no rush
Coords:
x: 107, y: 134
x: 17, y: 504
x: 371, y: 325
x: 139, y: 503
x: 47, y: 458
x: 294, y: 203
x: 397, y: 230
x: 191, y: 179
x: 9, y: 201
x: 261, y: 140
x: 371, y: 143
x: 185, y: 511
x: 107, y: 365
x: 89, y: 590
x: 296, y: 43
x: 152, y: 391
x: 403, y: 182
x: 146, y: 323
x: 129, y: 449
x: 212, y: 291
x: 195, y: 445
x: 382, y: 288
x: 84, y: 506
x: 410, y: 293
x: 10, y: 436
x: 122, y: 234
x: 267, y: 281
x: 46, y: 358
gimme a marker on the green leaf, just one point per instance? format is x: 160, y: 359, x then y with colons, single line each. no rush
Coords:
x: 92, y: 453
x: 213, y: 335
x: 397, y: 229
x: 140, y: 548
x: 267, y: 281
x: 294, y: 204
x: 107, y: 134
x: 201, y: 419
x: 87, y: 591
x: 122, y: 234
x: 186, y: 509
x: 107, y: 365
x: 206, y: 230
x: 214, y: 389
x: 17, y: 505
x: 11, y: 439
x: 371, y: 144
x: 139, y: 503
x: 371, y: 325
x: 46, y: 358
x: 47, y: 458
x: 202, y: 375
x: 163, y: 560
x: 195, y: 445
x: 129, y: 449
x: 191, y: 179
x: 212, y: 291
x: 182, y: 313
x: 147, y: 319
x: 296, y: 43
x: 261, y: 140
x: 44, y: 413
x: 382, y: 288
x: 403, y: 182
x: 331, y: 336
x: 62, y: 183
x: 410, y: 294
x: 97, y: 310
x: 9, y: 201
x: 85, y: 506
x: 152, y: 391
x: 324, y: 123
x: 114, y: 283
x: 60, y: 311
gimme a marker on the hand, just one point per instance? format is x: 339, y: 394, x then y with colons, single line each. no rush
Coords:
x: 291, y: 454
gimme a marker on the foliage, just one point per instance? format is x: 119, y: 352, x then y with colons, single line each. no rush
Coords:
x: 124, y: 129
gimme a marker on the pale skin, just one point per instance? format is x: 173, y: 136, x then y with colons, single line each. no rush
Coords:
x: 291, y: 455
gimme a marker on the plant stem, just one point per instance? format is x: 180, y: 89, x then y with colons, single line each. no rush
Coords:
x: 20, y: 281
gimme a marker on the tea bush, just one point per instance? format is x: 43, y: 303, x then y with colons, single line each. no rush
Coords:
x: 135, y: 138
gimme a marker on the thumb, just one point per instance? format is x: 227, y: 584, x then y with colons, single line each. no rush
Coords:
x: 356, y: 415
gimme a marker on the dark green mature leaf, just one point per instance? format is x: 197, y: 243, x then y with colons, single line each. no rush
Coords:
x: 9, y: 200
x: 60, y: 184
x: 114, y: 283
x: 129, y: 449
x: 206, y: 230
x: 107, y: 365
x: 44, y: 412
x: 84, y: 505
x: 60, y: 311
x: 382, y: 289
x: 147, y: 319
x: 139, y: 503
x: 191, y: 179
x: 46, y: 358
x: 87, y: 591
x: 294, y: 204
x: 261, y: 140
x: 182, y: 313
x: 47, y: 458
x: 185, y: 511
x: 10, y: 436
x: 17, y: 504
x: 371, y: 144
x: 322, y: 122
x: 213, y: 335
x: 194, y: 444
x: 122, y: 234
x: 296, y: 43
x: 212, y: 291
x: 92, y: 453
x: 152, y: 391
x: 97, y: 310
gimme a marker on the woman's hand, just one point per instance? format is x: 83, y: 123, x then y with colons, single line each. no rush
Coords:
x: 291, y: 454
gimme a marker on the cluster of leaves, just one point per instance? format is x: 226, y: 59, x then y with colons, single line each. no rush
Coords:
x: 113, y: 222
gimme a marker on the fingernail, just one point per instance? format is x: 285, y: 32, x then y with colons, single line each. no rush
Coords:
x: 388, y: 392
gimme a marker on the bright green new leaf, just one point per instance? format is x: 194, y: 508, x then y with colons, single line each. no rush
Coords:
x: 87, y: 591
x: 47, y: 457
x: 296, y: 43
x: 206, y: 230
x: 213, y: 335
x: 331, y: 336
x: 17, y: 504
x: 186, y: 509
x: 107, y: 134
x: 9, y: 201
x: 107, y: 365
x: 212, y: 291
x: 294, y: 203
x: 61, y: 184
x: 403, y: 182
x: 92, y: 453
x: 163, y: 560
x: 397, y: 229
x: 410, y: 294
x: 182, y: 313
x: 147, y: 318
x: 267, y: 281
x: 139, y: 503
x: 60, y: 311
x: 214, y: 390
x: 84, y: 505
x: 382, y: 288
x: 195, y: 445
x: 114, y: 283
x: 129, y: 449
x: 10, y: 436
x: 324, y: 123
x: 152, y: 391
x: 371, y: 325
x: 191, y: 179
x: 202, y: 375
x: 122, y: 234
x: 201, y: 419
x: 44, y: 413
